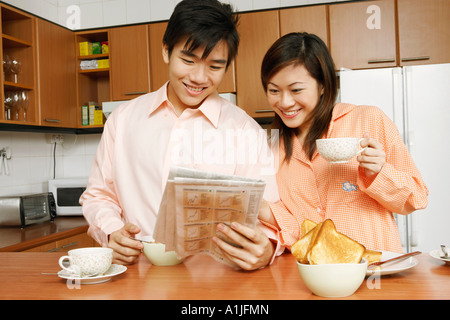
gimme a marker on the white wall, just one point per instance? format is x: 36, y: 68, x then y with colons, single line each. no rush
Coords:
x: 103, y: 13
x: 32, y: 163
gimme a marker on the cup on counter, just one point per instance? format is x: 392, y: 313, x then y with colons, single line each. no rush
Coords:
x: 339, y: 150
x: 87, y: 262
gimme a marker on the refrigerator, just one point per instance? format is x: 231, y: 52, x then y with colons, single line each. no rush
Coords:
x: 417, y: 99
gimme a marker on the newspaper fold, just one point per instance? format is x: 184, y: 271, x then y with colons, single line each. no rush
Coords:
x: 195, y: 201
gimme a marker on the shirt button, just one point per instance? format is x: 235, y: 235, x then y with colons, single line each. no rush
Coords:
x: 318, y: 210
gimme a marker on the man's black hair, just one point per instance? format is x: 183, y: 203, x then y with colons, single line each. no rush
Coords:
x: 203, y: 23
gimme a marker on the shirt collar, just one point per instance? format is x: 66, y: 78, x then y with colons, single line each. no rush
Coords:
x: 339, y: 110
x: 210, y: 108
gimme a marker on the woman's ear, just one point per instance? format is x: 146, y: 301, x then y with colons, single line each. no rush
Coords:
x: 165, y: 53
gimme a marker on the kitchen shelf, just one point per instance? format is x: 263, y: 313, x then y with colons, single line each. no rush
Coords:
x: 92, y: 84
x: 8, y: 85
x: 12, y: 42
x: 18, y: 33
x: 94, y: 56
x: 93, y: 72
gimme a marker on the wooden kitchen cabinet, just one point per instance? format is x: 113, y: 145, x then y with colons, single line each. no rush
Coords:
x: 305, y: 19
x: 424, y: 31
x: 57, y: 76
x: 159, y: 73
x: 18, y: 31
x: 258, y: 31
x: 363, y: 35
x: 130, y: 62
x: 63, y: 245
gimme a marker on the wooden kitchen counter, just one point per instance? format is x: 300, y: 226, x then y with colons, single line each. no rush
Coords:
x: 202, y: 278
x: 17, y: 239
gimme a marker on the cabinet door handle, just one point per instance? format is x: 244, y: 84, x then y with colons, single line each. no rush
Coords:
x: 416, y: 58
x: 69, y: 245
x: 262, y: 111
x: 381, y: 61
x: 52, y: 120
x: 135, y: 93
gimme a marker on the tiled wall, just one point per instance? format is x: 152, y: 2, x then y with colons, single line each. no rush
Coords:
x: 32, y: 161
x: 102, y: 13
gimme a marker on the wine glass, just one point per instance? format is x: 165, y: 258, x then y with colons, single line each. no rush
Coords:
x: 16, y: 67
x: 6, y: 65
x: 8, y: 104
x: 24, y: 98
x: 17, y: 103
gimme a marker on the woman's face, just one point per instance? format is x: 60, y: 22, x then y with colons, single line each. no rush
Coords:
x: 293, y: 94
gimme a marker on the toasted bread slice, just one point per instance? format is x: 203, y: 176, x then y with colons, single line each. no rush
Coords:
x: 330, y: 246
x: 372, y: 256
x: 307, y: 226
x: 301, y: 247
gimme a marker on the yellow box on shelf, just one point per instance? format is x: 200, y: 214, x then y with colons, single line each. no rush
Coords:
x: 103, y: 63
x: 85, y: 48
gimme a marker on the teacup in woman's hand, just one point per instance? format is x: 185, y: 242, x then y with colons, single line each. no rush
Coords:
x: 339, y: 150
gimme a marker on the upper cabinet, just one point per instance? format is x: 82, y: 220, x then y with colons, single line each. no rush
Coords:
x: 305, y: 19
x: 130, y: 62
x: 158, y: 71
x: 424, y: 31
x: 19, y: 92
x: 57, y: 75
x: 258, y: 31
x: 363, y: 35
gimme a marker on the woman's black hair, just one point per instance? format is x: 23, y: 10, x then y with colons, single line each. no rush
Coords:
x: 301, y: 48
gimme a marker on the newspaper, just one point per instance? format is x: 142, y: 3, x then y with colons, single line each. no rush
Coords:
x: 195, y: 201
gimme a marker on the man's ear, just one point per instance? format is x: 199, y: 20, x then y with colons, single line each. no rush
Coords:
x: 165, y: 53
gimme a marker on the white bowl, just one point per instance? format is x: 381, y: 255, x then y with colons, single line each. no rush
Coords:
x: 156, y: 253
x: 333, y: 280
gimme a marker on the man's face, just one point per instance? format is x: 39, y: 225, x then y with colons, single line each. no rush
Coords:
x: 191, y: 79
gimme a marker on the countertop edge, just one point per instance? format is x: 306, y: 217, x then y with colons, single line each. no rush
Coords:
x: 25, y: 245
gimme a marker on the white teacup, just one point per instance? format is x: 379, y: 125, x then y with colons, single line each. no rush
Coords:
x: 339, y: 150
x: 87, y: 261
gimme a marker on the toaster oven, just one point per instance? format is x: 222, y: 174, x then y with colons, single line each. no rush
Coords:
x: 24, y: 210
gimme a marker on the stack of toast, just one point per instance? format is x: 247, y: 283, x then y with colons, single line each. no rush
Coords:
x: 321, y: 243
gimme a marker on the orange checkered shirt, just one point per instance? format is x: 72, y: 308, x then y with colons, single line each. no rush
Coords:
x: 360, y: 207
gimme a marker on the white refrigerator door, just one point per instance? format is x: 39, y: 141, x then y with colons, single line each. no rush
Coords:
x: 382, y: 88
x: 427, y: 100
x: 376, y: 87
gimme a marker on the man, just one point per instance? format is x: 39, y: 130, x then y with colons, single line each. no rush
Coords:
x: 184, y: 123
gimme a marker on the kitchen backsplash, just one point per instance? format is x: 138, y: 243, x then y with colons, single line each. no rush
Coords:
x: 32, y: 162
x: 103, y: 13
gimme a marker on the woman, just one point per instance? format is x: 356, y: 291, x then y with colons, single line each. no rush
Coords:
x: 298, y: 76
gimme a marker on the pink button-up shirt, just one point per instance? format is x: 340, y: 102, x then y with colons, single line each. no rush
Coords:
x: 144, y: 137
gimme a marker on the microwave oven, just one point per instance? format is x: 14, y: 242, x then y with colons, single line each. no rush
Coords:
x: 24, y: 210
x: 67, y: 193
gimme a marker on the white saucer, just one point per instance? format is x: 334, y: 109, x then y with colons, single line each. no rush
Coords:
x: 437, y: 255
x: 394, y: 267
x: 114, y: 270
